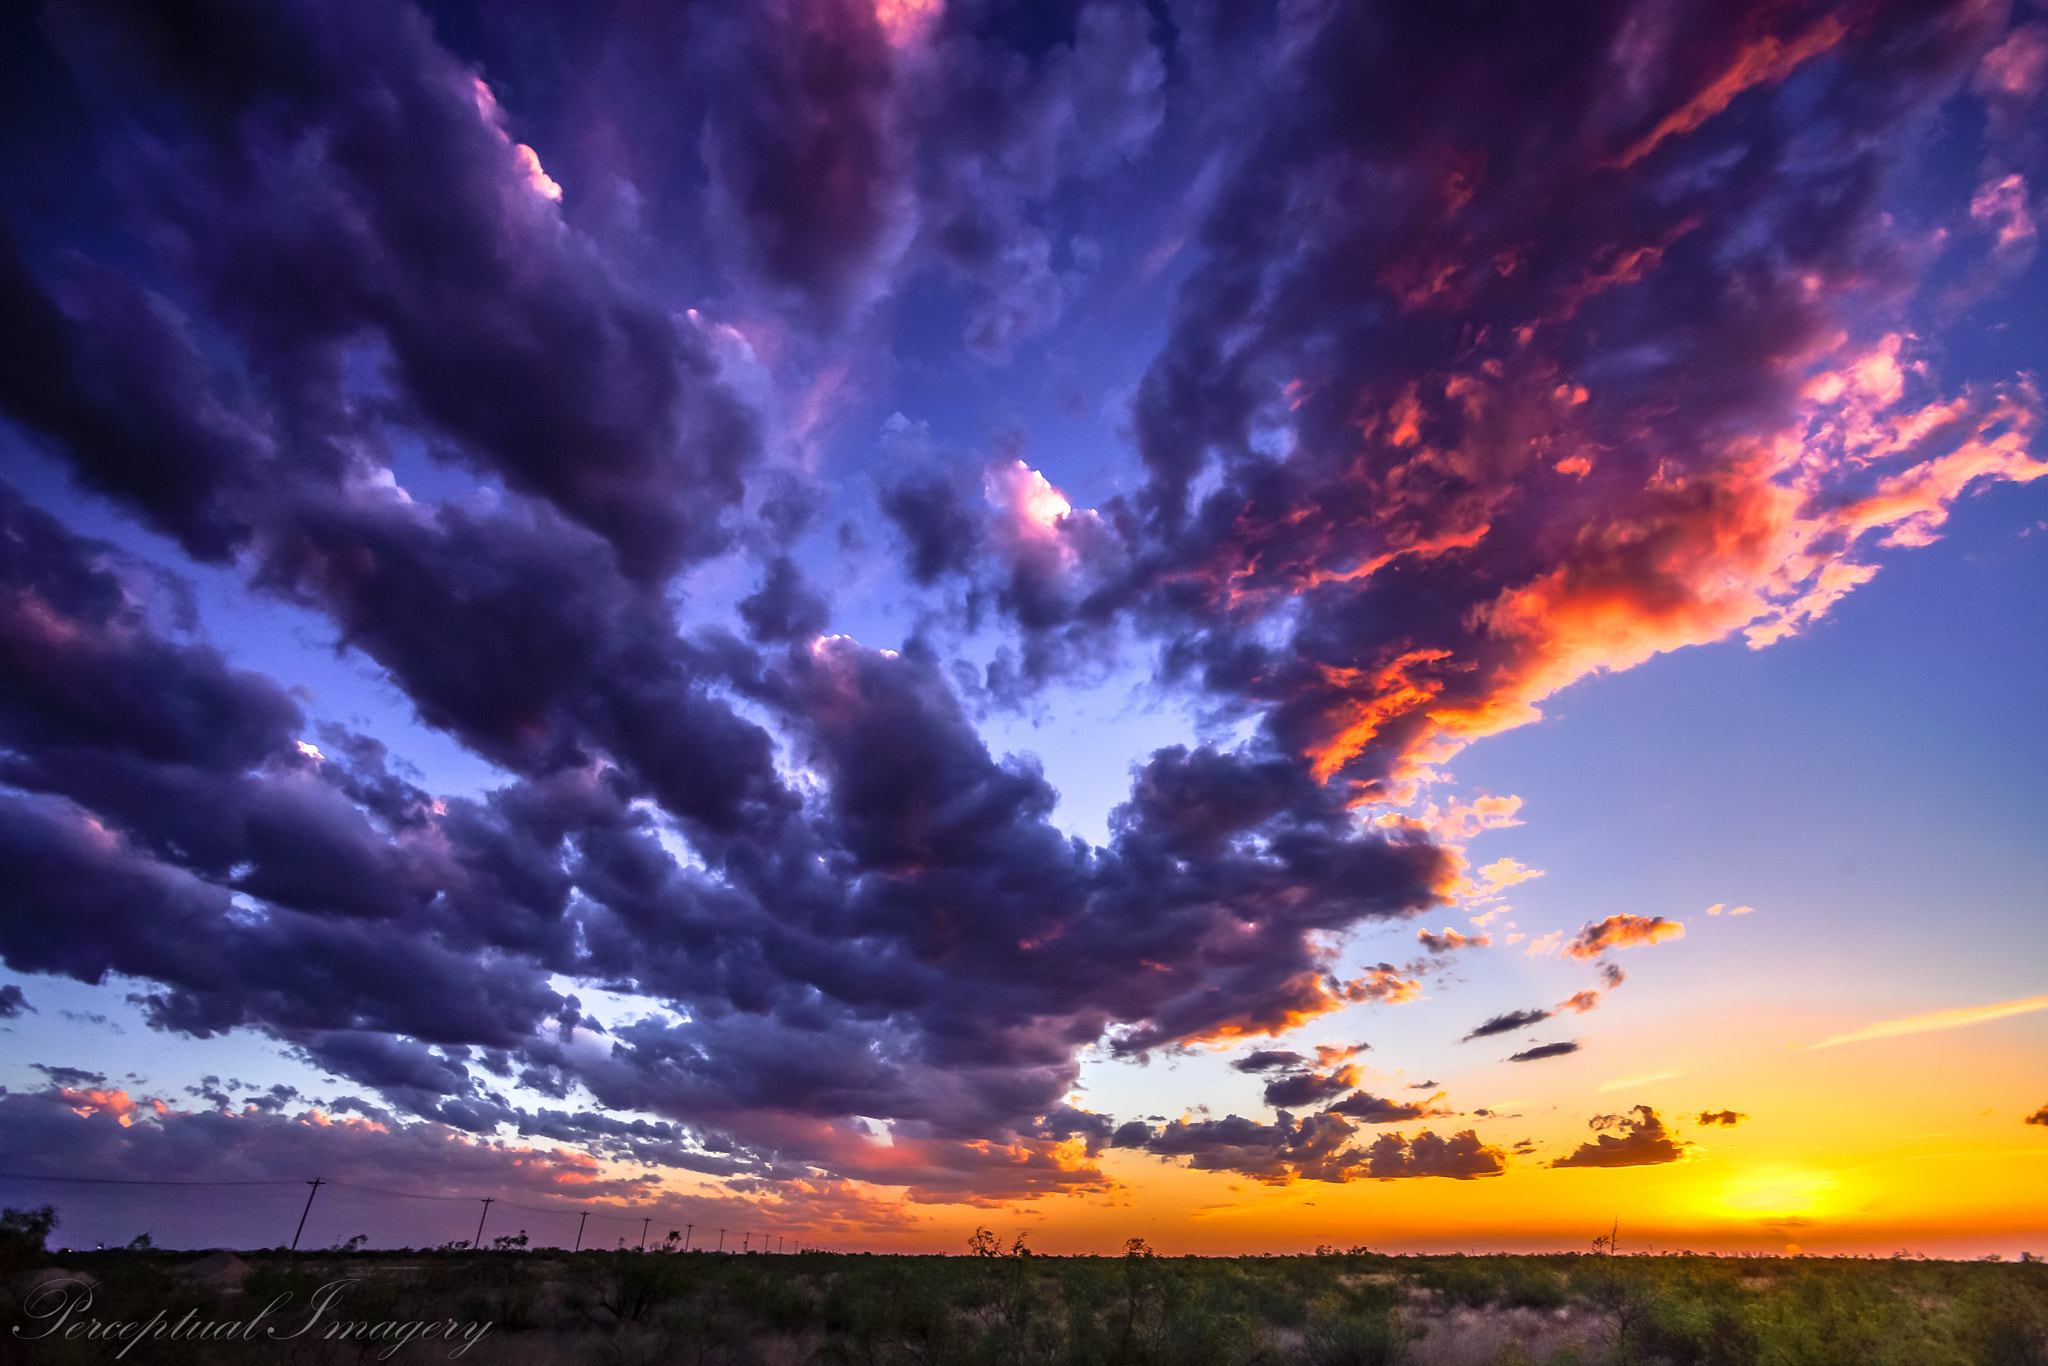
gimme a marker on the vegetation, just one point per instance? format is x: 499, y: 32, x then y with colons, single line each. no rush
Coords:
x: 1004, y: 1306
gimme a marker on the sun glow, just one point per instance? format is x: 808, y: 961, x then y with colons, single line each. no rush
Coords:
x: 1777, y: 1193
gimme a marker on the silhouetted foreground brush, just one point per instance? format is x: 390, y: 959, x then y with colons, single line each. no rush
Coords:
x: 1002, y: 1305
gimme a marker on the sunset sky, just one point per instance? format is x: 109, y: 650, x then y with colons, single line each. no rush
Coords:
x: 1418, y: 625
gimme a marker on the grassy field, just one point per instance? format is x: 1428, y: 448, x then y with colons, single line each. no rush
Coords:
x: 1000, y: 1307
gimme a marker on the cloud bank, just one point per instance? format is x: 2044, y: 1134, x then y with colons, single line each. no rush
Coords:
x: 1497, y: 355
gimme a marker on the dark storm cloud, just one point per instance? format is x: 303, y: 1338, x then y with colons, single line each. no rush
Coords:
x: 1727, y: 1119
x: 1371, y: 1109
x: 13, y: 1002
x: 411, y: 1076
x: 941, y: 521
x: 1005, y: 118
x: 1313, y: 1148
x: 804, y: 150
x: 115, y: 383
x: 84, y: 672
x: 1640, y: 1140
x: 1461, y: 1157
x: 1317, y: 1148
x: 210, y: 1089
x: 1299, y: 1089
x: 152, y: 786
x: 70, y: 1076
x: 1506, y: 1023
x: 1267, y: 1059
x: 411, y: 271
x: 1134, y: 1133
x: 784, y: 608
x: 328, y: 177
x: 835, y: 151
x: 856, y: 993
x: 517, y: 631
x: 1541, y: 1051
x: 1146, y: 929
x: 2039, y: 1116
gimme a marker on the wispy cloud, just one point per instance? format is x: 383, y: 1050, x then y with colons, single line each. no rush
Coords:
x: 1939, y: 1019
x: 1627, y: 1082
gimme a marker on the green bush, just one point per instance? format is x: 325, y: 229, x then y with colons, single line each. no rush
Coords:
x: 1006, y: 1307
x: 1372, y: 1337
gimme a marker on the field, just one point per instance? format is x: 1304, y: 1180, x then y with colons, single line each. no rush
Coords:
x: 998, y: 1307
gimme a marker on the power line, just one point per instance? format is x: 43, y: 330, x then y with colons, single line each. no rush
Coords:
x: 400, y: 1195
x: 585, y: 1214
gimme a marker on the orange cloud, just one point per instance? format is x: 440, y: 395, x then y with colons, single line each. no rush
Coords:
x: 1506, y: 872
x: 1625, y: 267
x: 1764, y: 61
x: 1306, y: 996
x: 86, y: 1102
x: 1370, y: 701
x: 1622, y: 931
x: 1760, y: 536
x: 1383, y: 984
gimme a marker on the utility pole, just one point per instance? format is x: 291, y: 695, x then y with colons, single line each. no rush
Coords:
x: 688, y: 1229
x: 478, y: 1245
x: 745, y: 1238
x: 316, y: 1183
x: 579, y: 1231
x: 721, y: 1240
x: 643, y: 1231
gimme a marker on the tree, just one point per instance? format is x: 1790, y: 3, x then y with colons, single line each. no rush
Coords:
x: 22, y: 1233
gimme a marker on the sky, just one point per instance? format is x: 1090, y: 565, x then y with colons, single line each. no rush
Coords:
x: 1257, y: 626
